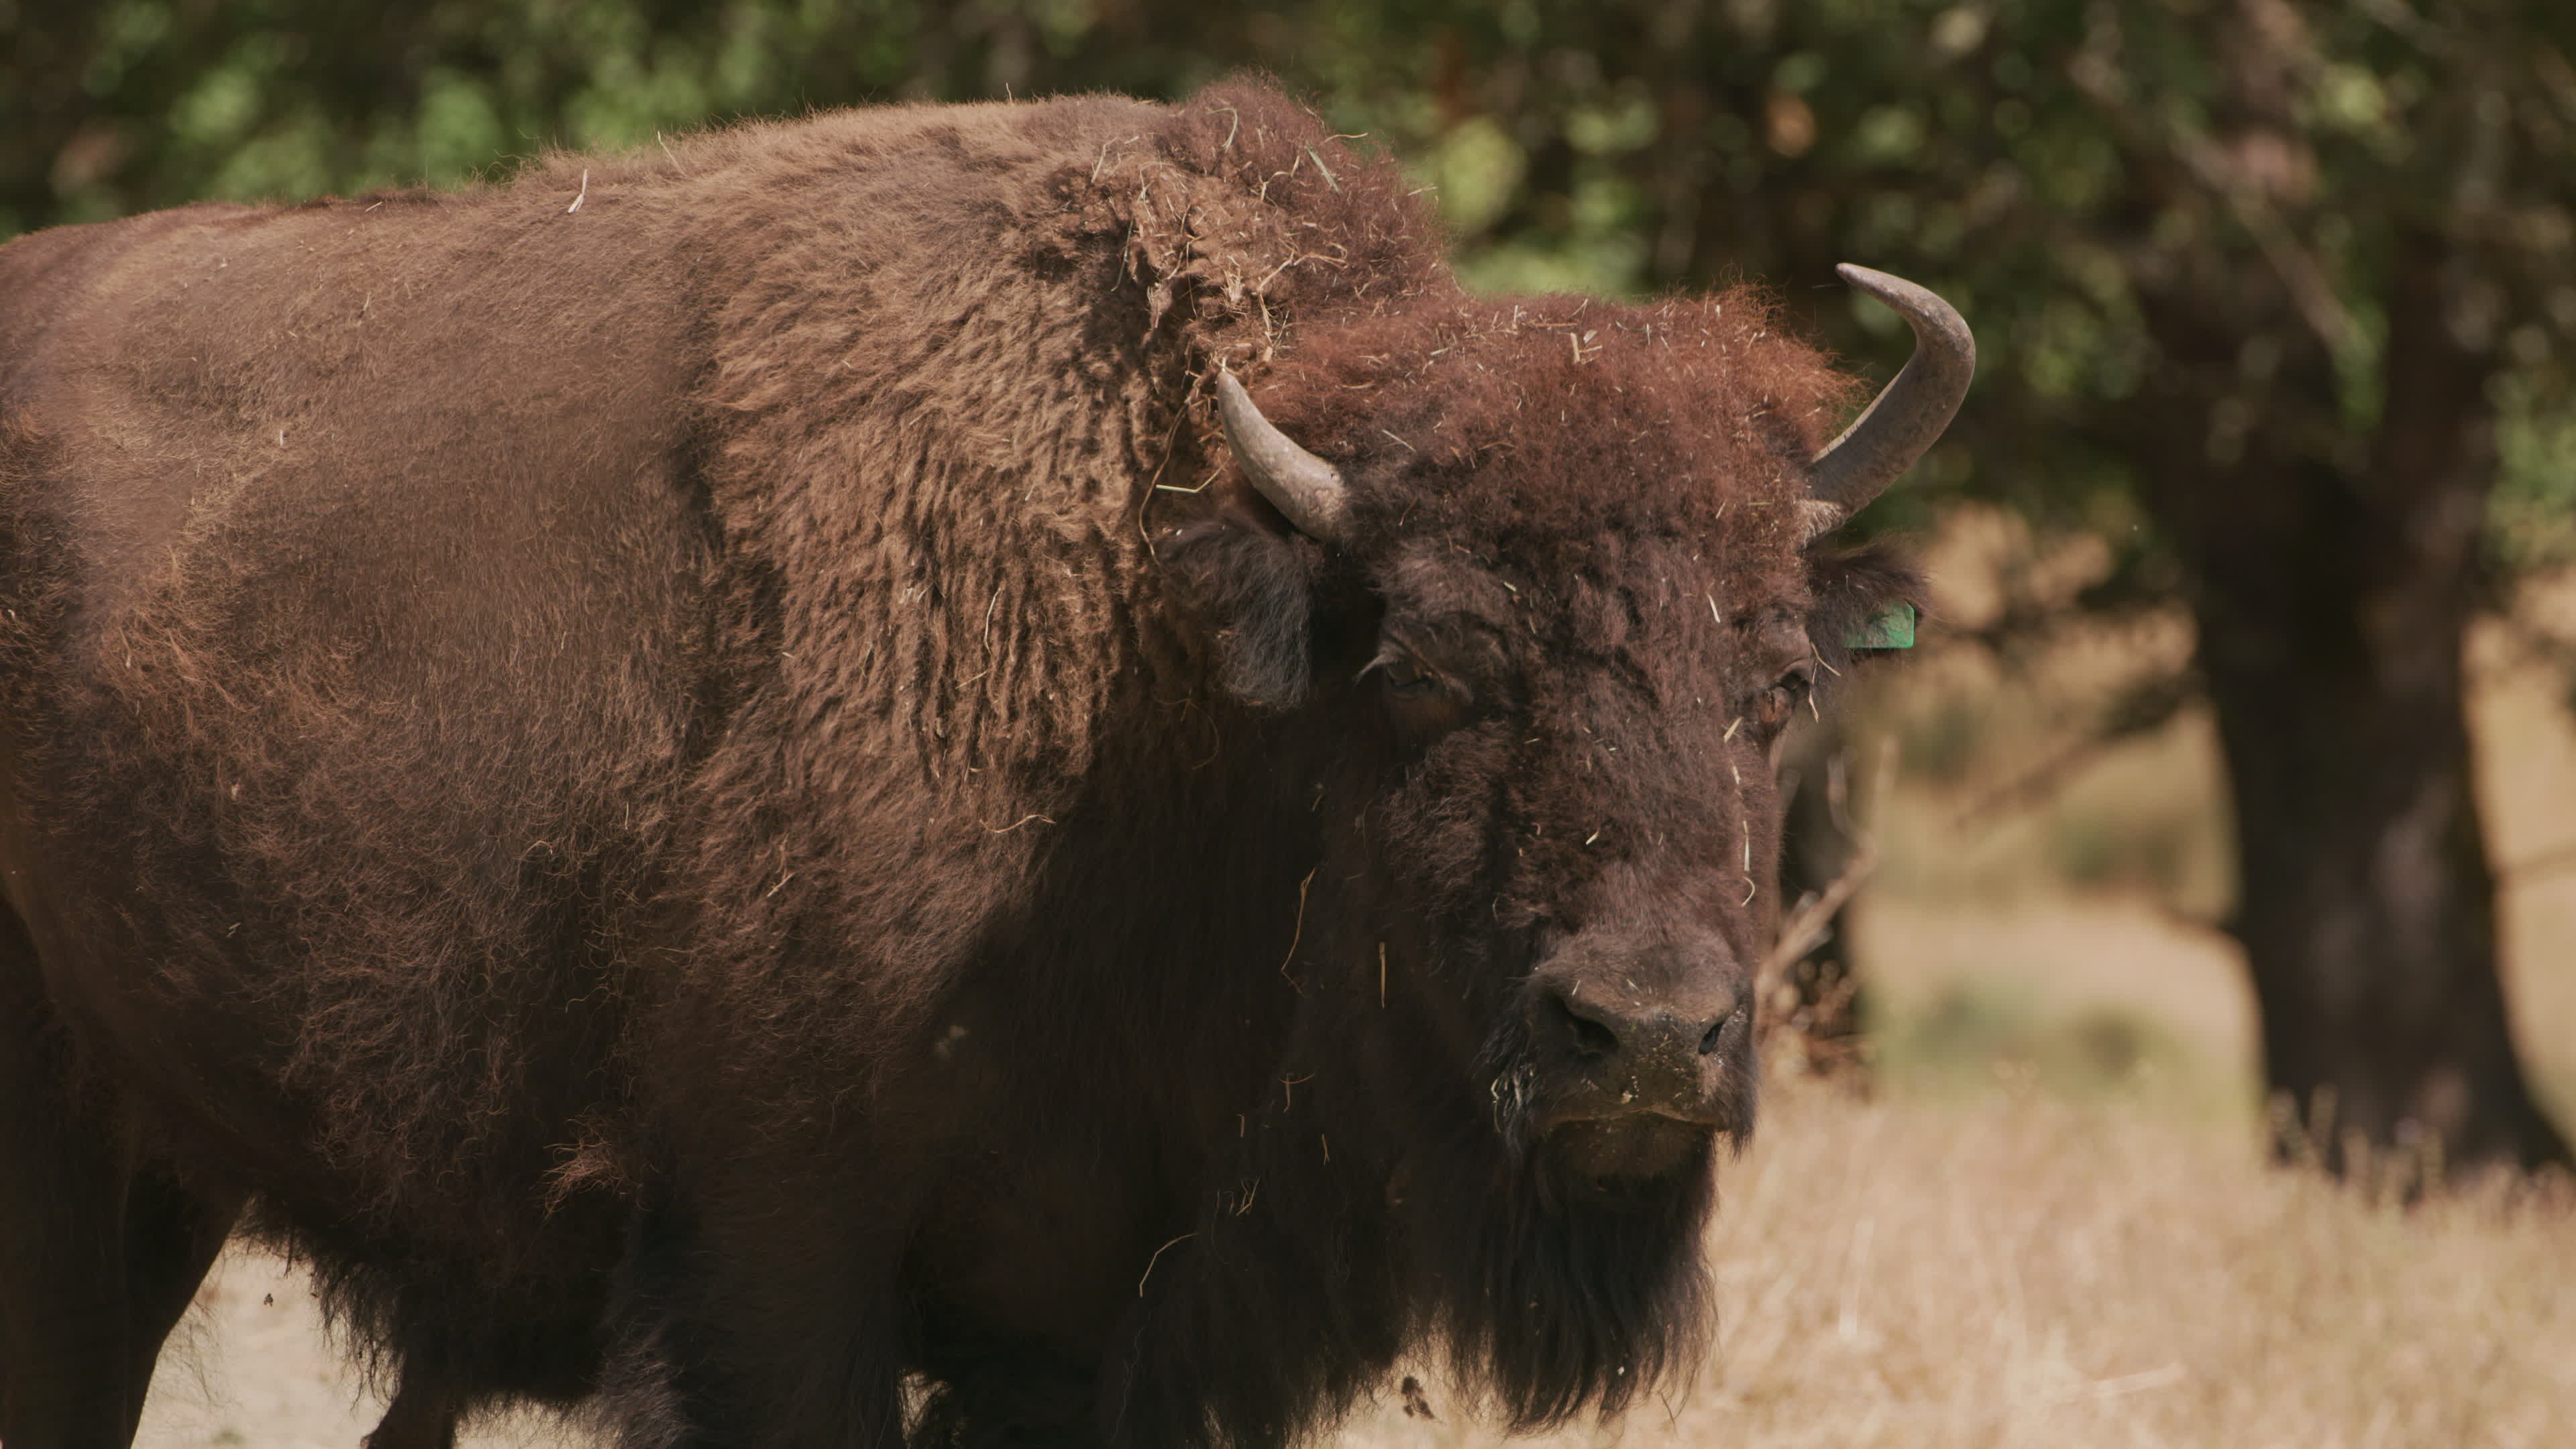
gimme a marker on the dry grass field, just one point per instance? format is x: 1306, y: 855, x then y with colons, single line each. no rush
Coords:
x: 2050, y: 1223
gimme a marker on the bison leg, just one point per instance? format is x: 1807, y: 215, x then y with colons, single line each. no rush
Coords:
x: 98, y: 1258
x: 767, y: 1329
x: 418, y: 1418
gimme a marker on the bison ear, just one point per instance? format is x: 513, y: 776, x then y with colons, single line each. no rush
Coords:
x: 1861, y: 595
x: 1250, y: 592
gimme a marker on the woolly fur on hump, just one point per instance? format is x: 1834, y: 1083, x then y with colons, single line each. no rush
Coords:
x: 939, y: 387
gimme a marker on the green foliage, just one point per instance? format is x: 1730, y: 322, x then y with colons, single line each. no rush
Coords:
x: 131, y: 104
x: 2532, y: 522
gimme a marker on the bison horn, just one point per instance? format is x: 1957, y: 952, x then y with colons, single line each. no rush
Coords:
x: 1303, y: 487
x: 1903, y: 422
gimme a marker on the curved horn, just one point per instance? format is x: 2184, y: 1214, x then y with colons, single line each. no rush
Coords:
x: 1903, y: 422
x: 1308, y: 490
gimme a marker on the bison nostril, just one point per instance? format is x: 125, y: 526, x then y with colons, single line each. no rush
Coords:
x: 1592, y: 1037
x: 1709, y: 1040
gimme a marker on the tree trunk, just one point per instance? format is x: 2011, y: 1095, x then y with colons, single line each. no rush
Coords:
x: 2333, y: 597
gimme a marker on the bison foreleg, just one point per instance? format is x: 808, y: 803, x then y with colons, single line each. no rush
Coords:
x: 99, y: 1255
x: 420, y: 1417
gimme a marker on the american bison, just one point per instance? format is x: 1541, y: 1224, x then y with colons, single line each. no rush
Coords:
x: 991, y: 773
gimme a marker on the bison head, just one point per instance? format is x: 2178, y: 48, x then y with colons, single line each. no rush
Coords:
x: 1552, y: 583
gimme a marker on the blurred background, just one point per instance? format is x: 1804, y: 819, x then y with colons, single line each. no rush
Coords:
x: 2226, y: 816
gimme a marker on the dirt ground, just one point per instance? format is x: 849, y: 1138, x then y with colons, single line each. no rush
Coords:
x: 250, y: 1365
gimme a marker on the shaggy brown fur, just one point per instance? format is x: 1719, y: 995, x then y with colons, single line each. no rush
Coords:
x: 697, y: 774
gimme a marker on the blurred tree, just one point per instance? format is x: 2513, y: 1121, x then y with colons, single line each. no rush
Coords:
x: 2261, y: 284
x: 116, y: 106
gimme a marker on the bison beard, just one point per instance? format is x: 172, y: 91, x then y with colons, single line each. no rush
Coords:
x: 1000, y: 749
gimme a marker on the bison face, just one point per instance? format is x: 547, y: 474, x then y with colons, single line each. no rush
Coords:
x: 1562, y: 818
x: 1529, y: 595
x: 1547, y: 589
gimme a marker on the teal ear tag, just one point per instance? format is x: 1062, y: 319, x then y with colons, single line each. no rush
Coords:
x: 1889, y: 628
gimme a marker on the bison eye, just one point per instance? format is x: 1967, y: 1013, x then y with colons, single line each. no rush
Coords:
x: 1402, y: 673
x: 1421, y: 702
